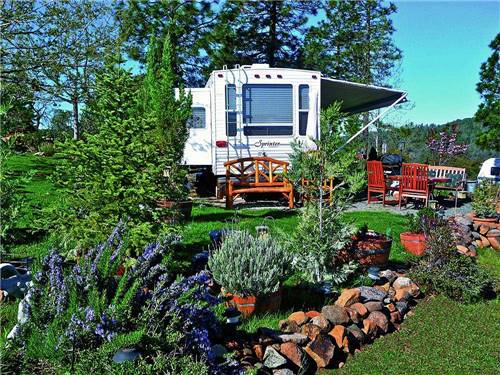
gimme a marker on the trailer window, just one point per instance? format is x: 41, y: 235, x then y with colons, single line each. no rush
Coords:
x: 268, y: 109
x: 197, y: 119
x: 230, y: 110
x: 303, y: 108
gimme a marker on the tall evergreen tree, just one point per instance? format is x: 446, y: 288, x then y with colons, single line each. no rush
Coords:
x: 488, y: 87
x: 260, y: 32
x: 354, y: 42
x: 187, y: 22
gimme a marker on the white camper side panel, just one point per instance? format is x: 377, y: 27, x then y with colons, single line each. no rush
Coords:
x: 274, y: 146
x: 198, y: 150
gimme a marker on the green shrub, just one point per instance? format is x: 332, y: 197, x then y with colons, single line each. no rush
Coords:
x: 421, y: 221
x: 485, y: 199
x: 47, y: 148
x: 318, y: 240
x: 444, y: 270
x: 249, y: 266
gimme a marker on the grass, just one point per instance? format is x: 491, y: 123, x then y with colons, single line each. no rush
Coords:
x: 442, y: 337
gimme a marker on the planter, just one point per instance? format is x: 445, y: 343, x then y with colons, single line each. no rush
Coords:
x: 372, y: 248
x: 414, y: 243
x: 179, y: 210
x: 490, y: 221
x: 251, y: 305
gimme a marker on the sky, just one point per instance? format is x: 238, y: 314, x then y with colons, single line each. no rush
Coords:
x: 443, y: 44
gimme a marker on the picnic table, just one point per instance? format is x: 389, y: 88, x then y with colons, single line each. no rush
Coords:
x: 432, y: 181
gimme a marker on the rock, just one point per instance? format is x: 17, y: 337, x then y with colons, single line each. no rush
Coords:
x: 369, y: 293
x: 483, y: 229
x: 406, y: 293
x: 402, y: 307
x: 321, y: 322
x: 374, y: 306
x: 273, y: 359
x: 390, y: 307
x: 311, y: 314
x: 338, y: 333
x: 360, y: 308
x: 247, y: 351
x: 493, y: 233
x: 292, y: 352
x: 370, y: 328
x: 479, y: 243
x: 283, y: 371
x: 401, y: 282
x: 258, y: 350
x: 311, y: 330
x: 380, y: 320
x: 348, y: 297
x: 297, y: 338
x: 299, y: 317
x: 388, y: 274
x: 348, y: 343
x: 472, y: 253
x: 475, y: 235
x: 484, y: 241
x: 335, y: 314
x: 495, y: 242
x: 395, y: 316
x: 353, y: 315
x: 357, y: 333
x: 385, y: 287
x: 288, y: 326
x: 462, y: 220
x: 462, y: 249
x: 322, y: 350
x: 248, y: 361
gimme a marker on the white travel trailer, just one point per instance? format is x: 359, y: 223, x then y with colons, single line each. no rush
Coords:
x: 255, y: 110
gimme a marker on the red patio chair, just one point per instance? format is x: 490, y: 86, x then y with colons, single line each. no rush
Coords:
x: 414, y: 182
x: 377, y: 182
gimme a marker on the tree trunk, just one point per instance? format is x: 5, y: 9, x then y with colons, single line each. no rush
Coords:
x: 271, y: 51
x: 76, y: 124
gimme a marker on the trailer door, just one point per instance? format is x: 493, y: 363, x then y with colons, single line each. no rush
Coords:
x: 198, y: 149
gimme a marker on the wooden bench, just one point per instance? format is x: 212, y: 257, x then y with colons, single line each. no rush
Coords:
x: 458, y: 178
x: 257, y: 175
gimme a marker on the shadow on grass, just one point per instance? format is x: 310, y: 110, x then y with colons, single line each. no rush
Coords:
x: 228, y: 215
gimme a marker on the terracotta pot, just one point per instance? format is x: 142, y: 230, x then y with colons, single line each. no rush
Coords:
x: 490, y: 221
x: 372, y: 248
x: 414, y: 243
x: 180, y: 210
x: 251, y: 305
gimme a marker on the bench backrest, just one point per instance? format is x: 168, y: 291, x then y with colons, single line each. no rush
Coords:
x: 258, y: 171
x: 457, y: 175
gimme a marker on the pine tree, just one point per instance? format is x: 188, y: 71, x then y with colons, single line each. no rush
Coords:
x: 187, y: 22
x: 354, y: 42
x: 488, y: 112
x: 169, y: 114
x: 260, y: 32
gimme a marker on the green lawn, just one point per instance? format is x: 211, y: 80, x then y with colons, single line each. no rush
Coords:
x: 442, y: 337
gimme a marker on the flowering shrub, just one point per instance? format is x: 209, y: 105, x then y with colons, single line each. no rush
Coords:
x: 444, y: 270
x: 422, y: 221
x: 445, y: 146
x: 91, y: 308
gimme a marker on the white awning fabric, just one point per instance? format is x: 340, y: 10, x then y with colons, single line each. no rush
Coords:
x: 357, y: 97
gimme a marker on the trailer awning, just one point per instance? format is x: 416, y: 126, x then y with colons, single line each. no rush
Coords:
x: 357, y: 97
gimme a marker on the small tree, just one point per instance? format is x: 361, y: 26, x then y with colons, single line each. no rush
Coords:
x: 322, y: 232
x: 112, y: 174
x: 169, y: 115
x: 445, y: 146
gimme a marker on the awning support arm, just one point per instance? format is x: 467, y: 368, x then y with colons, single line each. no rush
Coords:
x: 371, y: 122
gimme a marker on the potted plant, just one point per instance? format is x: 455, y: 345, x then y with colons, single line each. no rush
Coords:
x: 251, y: 271
x: 371, y: 248
x: 484, y: 203
x: 418, y: 224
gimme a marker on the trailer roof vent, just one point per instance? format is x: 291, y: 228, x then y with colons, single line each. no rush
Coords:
x: 260, y: 66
